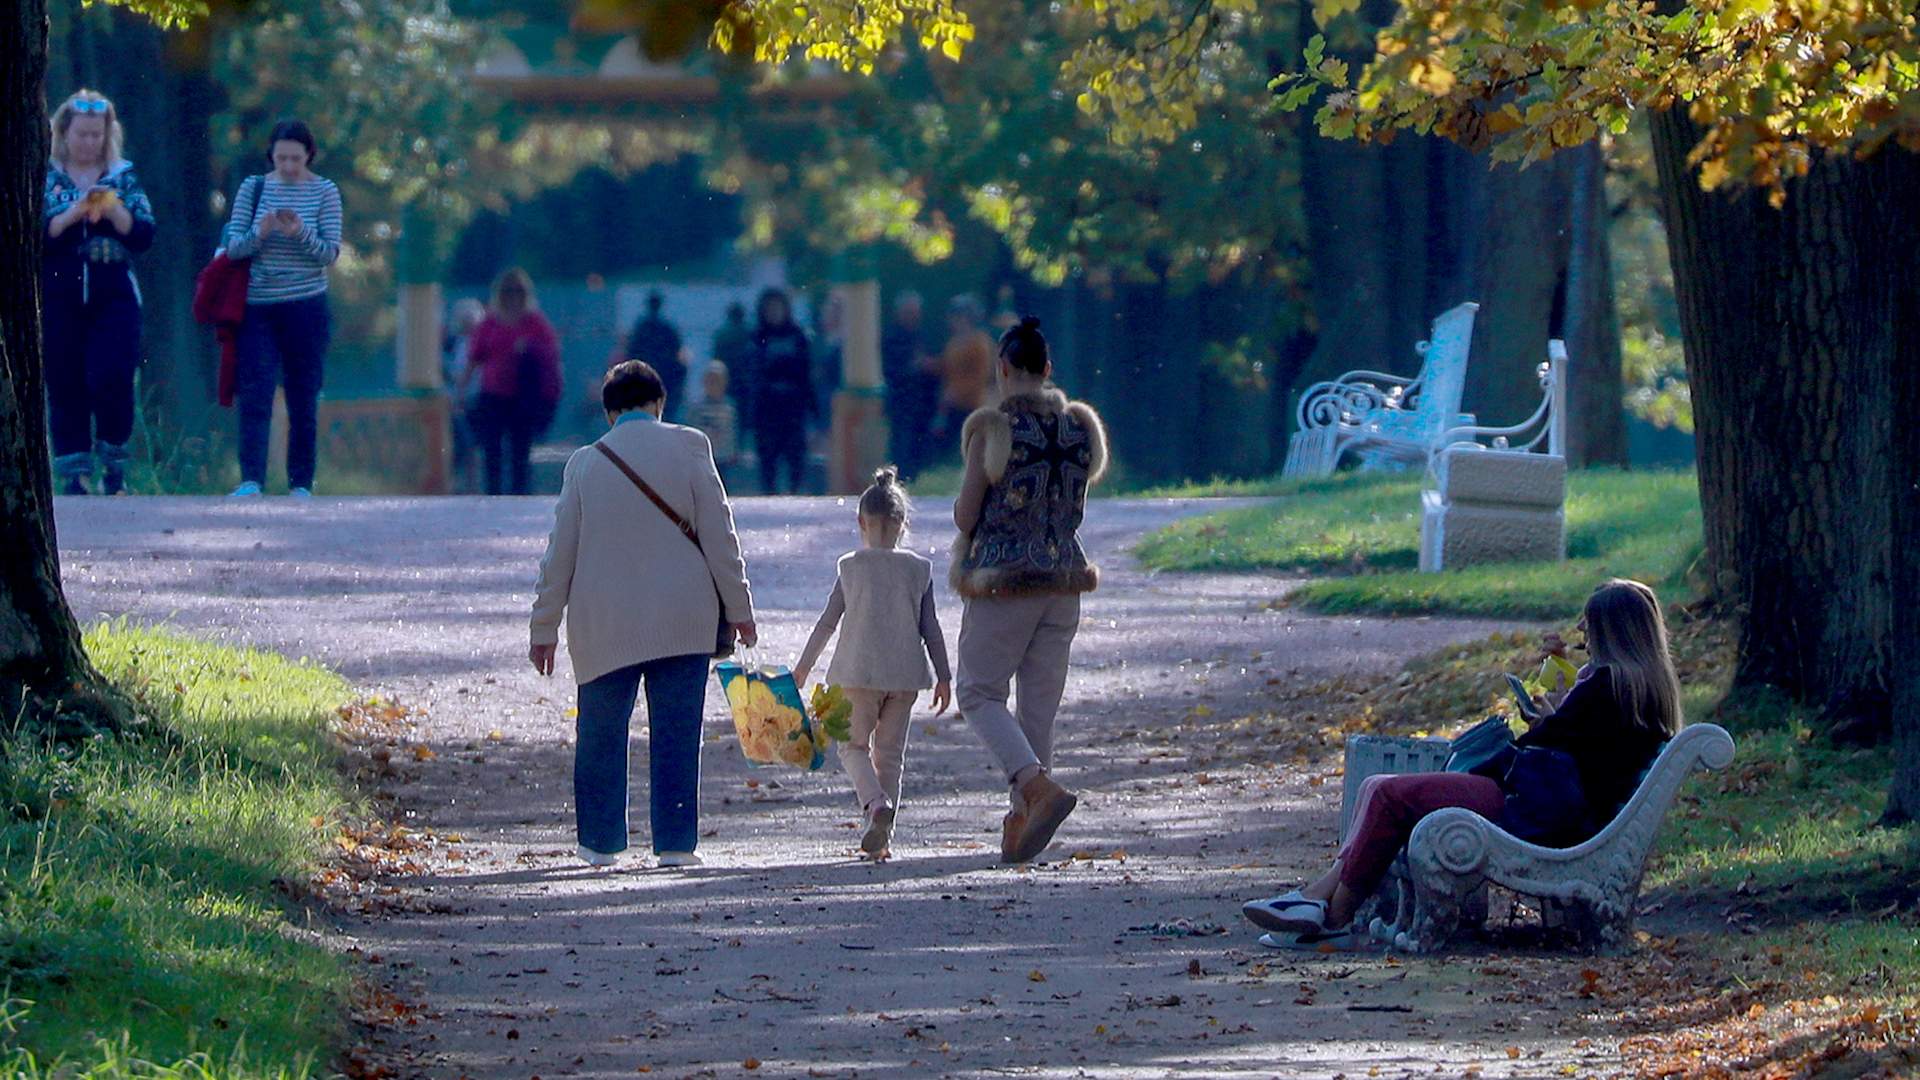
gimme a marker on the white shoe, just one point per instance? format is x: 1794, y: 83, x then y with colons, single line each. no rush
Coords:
x: 680, y: 858
x: 246, y: 490
x: 595, y: 858
x: 1288, y: 912
x: 301, y: 493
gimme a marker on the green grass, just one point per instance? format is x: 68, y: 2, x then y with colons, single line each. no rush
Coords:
x: 1365, y: 530
x: 140, y: 921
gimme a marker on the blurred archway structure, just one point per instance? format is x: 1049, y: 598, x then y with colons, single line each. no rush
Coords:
x: 652, y: 68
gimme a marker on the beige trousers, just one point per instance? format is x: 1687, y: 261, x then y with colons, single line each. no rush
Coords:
x: 876, y: 756
x: 1009, y: 642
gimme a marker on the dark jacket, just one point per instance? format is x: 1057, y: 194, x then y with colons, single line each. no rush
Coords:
x: 1609, y: 750
x: 782, y: 378
x: 91, y: 263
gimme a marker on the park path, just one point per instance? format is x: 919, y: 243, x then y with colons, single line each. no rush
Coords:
x: 785, y: 953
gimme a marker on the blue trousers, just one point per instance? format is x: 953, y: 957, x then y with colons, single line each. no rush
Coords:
x: 282, y: 343
x: 676, y: 691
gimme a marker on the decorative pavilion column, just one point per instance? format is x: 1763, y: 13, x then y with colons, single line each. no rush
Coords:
x: 860, y: 404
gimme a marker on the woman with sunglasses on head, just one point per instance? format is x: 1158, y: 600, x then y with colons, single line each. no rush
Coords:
x: 97, y: 218
x: 287, y: 221
x: 1611, y: 723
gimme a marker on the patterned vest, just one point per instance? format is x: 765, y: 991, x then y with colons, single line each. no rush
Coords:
x: 1027, y: 540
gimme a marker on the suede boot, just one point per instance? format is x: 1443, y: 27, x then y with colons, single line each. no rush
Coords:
x: 1047, y: 805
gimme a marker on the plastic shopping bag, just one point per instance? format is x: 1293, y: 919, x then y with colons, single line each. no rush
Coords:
x: 768, y: 715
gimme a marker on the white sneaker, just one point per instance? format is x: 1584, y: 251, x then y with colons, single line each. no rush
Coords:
x: 1288, y: 912
x: 680, y: 858
x: 595, y: 858
x: 246, y: 490
x: 301, y: 493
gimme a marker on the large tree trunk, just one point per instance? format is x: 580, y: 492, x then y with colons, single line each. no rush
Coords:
x: 1788, y: 318
x: 1903, y: 233
x: 44, y: 673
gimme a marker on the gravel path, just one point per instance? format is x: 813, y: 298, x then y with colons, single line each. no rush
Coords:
x: 785, y: 955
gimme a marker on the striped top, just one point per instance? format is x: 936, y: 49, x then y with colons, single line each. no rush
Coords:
x: 285, y: 267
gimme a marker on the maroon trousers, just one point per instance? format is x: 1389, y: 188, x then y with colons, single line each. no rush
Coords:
x: 1388, y: 807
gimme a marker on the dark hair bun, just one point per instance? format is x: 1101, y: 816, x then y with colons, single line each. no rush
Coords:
x: 886, y: 476
x: 1024, y: 347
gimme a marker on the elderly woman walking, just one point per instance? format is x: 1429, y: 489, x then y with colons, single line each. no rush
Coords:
x: 644, y: 563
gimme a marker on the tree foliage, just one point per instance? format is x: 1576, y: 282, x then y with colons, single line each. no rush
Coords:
x: 1771, y: 82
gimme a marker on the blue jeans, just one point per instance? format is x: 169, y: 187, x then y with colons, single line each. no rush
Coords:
x: 676, y: 693
x: 285, y: 341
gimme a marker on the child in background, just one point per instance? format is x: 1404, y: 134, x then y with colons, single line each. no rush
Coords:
x: 890, y: 631
x: 714, y: 413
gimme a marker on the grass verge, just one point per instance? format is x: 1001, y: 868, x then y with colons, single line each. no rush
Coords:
x: 1365, y: 528
x: 143, y: 920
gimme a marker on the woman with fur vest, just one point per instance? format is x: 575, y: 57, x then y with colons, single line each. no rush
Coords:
x: 1019, y: 568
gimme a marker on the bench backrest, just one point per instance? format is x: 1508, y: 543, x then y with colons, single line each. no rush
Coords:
x: 1639, y: 820
x: 1443, y: 371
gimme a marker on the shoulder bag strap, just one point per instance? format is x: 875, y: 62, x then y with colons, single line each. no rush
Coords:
x: 686, y: 528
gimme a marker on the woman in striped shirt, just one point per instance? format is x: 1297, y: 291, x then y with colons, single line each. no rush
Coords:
x: 288, y: 223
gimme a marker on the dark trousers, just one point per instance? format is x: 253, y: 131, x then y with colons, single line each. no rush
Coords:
x: 92, y: 350
x: 282, y: 343
x: 505, y: 429
x: 784, y: 442
x: 676, y: 692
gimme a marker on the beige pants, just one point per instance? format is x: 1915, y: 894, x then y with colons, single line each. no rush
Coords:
x: 1023, y: 642
x: 876, y: 756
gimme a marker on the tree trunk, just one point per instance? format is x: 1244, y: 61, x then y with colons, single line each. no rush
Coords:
x: 1788, y: 321
x: 1903, y: 233
x: 44, y: 673
x: 1596, y: 422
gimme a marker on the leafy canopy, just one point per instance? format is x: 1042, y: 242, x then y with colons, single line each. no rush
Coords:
x: 1772, y: 82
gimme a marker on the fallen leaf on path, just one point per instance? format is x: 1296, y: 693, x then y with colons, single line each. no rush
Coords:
x: 1036, y: 975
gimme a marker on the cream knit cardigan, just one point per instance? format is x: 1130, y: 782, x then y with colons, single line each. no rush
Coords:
x: 631, y: 587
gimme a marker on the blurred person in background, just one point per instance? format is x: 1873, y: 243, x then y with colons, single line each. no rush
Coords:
x: 516, y: 356
x: 784, y: 405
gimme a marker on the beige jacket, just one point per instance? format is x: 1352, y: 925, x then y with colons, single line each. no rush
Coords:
x: 631, y: 587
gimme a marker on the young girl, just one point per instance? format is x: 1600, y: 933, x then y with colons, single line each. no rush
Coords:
x: 886, y: 598
x: 1623, y: 707
x: 1020, y: 567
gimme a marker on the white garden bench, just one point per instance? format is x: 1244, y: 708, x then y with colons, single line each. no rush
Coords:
x: 1439, y: 883
x: 1387, y: 418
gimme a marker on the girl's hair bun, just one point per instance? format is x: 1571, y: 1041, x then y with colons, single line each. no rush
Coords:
x: 886, y: 476
x: 1030, y: 322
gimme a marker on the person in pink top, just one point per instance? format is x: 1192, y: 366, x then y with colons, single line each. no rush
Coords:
x: 516, y: 355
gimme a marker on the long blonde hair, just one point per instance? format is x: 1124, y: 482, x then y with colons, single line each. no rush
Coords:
x: 1626, y: 633
x: 63, y: 122
x: 512, y: 276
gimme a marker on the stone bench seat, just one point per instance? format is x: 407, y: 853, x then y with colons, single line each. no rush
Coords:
x: 1439, y: 882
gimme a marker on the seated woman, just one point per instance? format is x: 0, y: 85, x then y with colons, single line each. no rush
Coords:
x: 1621, y: 709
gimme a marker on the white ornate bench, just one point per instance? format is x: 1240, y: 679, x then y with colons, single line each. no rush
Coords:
x: 1440, y: 881
x: 1387, y: 418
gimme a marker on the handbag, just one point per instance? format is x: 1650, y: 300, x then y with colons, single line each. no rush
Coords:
x: 772, y: 723
x: 723, y: 634
x: 1485, y: 749
x: 1546, y: 802
x: 220, y: 301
